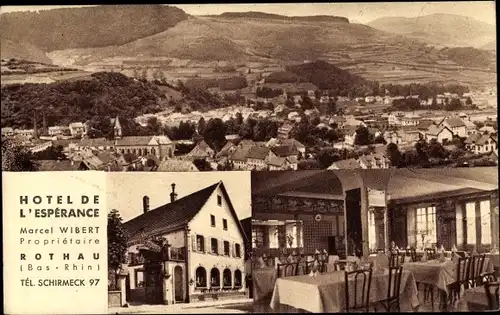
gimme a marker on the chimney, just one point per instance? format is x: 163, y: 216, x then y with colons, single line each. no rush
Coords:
x: 145, y: 203
x: 173, y: 194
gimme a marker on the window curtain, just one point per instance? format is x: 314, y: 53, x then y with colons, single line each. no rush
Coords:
x: 485, y: 220
x: 460, y: 224
x: 470, y: 211
x: 411, y: 227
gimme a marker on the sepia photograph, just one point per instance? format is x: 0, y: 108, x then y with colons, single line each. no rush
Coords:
x: 218, y: 87
x: 403, y: 240
x: 178, y: 243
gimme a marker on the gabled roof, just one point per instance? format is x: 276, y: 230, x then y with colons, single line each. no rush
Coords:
x: 143, y: 140
x: 258, y: 152
x: 170, y: 215
x: 294, y: 143
x: 285, y: 150
x: 202, y: 149
x: 345, y: 164
x: 277, y: 161
x: 172, y: 165
x: 177, y: 214
x: 240, y: 154
x: 435, y: 130
x: 454, y: 122
x: 473, y: 138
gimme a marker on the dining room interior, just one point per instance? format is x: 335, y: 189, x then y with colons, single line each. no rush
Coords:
x: 396, y: 240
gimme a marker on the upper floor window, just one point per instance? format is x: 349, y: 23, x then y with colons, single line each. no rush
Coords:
x: 200, y: 243
x: 226, y: 248
x: 224, y: 224
x: 219, y: 200
x: 214, y: 246
x: 212, y: 220
x: 237, y: 250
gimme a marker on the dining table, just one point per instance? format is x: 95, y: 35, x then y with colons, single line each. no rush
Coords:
x: 440, y: 274
x: 326, y: 292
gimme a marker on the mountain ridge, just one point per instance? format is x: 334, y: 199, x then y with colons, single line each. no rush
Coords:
x: 439, y: 28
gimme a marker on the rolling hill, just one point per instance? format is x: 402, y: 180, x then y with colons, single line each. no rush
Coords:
x: 440, y: 29
x: 22, y: 50
x: 88, y: 27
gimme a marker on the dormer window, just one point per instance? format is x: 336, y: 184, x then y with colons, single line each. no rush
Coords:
x: 219, y: 200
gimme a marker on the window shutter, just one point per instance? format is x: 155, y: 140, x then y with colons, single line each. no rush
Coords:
x: 208, y: 245
x: 194, y: 246
x: 233, y: 249
x: 220, y: 247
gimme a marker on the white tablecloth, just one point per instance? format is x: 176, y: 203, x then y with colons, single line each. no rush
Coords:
x: 326, y: 292
x: 439, y: 274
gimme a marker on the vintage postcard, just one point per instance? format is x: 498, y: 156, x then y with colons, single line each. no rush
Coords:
x: 247, y: 158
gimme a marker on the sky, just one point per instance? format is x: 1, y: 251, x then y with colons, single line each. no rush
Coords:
x: 125, y: 190
x: 356, y: 12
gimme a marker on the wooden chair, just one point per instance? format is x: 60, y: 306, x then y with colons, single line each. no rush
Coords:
x: 492, y: 294
x: 463, y: 278
x: 340, y: 265
x: 397, y: 259
x: 393, y: 291
x: 488, y: 277
x: 431, y: 253
x: 357, y: 290
x: 476, y: 268
x: 287, y: 270
x: 412, y: 253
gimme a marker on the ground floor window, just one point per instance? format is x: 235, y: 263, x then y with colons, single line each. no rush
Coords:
x: 426, y: 226
x: 226, y: 278
x: 485, y: 218
x: 372, y: 237
x: 470, y: 218
x: 237, y: 278
x: 215, y: 277
x: 257, y: 236
x: 201, y: 277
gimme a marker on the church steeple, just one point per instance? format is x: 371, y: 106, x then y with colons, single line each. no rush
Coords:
x: 117, y: 128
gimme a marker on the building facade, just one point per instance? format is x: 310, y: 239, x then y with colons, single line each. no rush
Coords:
x: 202, y: 250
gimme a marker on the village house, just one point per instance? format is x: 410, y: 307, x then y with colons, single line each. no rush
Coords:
x: 442, y: 134
x: 102, y: 161
x: 160, y: 146
x: 198, y: 254
x: 57, y: 165
x: 239, y: 157
x: 350, y: 136
x: 374, y: 161
x: 456, y: 125
x: 410, y: 120
x: 481, y: 143
x: 409, y: 134
x: 96, y: 144
x: 201, y: 151
x: 282, y: 163
x: 77, y: 129
x: 394, y: 119
x: 28, y: 133
x: 487, y: 129
x: 295, y: 145
x: 7, y: 132
x: 257, y: 158
x: 59, y: 130
x: 471, y: 127
x: 348, y: 164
